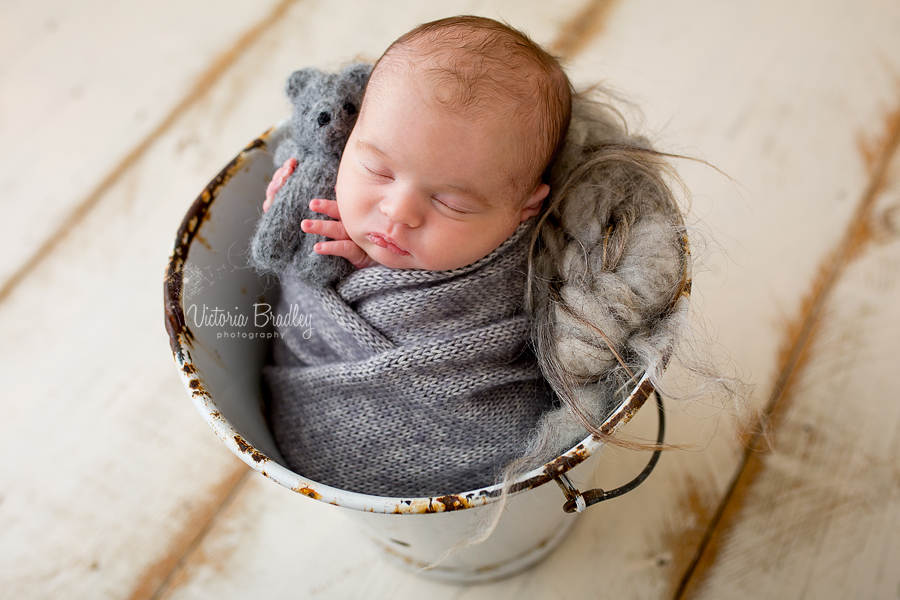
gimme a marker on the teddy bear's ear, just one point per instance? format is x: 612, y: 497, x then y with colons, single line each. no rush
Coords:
x: 297, y: 82
x: 357, y: 74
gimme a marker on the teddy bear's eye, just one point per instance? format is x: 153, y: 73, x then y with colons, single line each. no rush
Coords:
x: 350, y: 109
x: 324, y: 119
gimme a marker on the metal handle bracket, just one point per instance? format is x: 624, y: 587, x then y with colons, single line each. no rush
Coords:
x: 577, y: 501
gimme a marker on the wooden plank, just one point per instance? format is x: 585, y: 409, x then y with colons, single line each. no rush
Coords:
x: 760, y: 91
x: 113, y: 475
x: 770, y: 101
x: 82, y: 88
x: 134, y: 468
x: 816, y: 511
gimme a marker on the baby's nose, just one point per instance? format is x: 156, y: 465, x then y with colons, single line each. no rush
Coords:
x: 403, y: 208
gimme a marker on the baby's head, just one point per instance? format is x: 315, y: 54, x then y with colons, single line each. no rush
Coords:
x: 460, y: 120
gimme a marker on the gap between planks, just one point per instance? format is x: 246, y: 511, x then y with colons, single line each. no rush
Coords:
x: 583, y: 27
x: 201, y: 87
x: 572, y: 38
x: 164, y: 577
x: 800, y: 334
x: 156, y: 580
x: 155, y: 583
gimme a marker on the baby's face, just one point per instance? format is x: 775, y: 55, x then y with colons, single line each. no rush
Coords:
x: 422, y: 188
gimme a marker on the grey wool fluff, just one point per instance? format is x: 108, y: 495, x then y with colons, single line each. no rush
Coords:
x: 325, y: 109
x: 609, y: 277
x: 421, y: 383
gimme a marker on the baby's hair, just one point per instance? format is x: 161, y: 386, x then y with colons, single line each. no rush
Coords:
x: 475, y: 63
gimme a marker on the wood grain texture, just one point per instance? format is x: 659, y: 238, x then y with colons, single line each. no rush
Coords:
x: 114, y: 475
x: 705, y: 76
x: 871, y: 223
x: 816, y: 511
x: 84, y: 89
x: 117, y: 489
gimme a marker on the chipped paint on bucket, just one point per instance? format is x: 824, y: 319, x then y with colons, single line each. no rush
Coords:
x: 212, y: 304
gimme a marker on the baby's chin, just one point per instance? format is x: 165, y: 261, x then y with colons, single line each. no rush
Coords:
x: 396, y: 258
x: 410, y: 260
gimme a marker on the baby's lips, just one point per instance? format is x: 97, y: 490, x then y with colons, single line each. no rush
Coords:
x: 379, y: 241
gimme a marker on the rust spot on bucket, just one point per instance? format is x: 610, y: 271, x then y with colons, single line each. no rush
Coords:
x: 307, y: 491
x: 179, y: 333
x: 411, y: 507
x: 452, y: 502
x: 202, y: 240
x: 438, y: 504
x: 196, y: 385
x: 246, y: 448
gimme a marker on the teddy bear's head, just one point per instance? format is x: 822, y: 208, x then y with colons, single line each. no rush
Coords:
x: 325, y: 107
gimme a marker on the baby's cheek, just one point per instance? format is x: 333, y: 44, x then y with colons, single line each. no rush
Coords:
x: 340, y: 184
x: 350, y: 220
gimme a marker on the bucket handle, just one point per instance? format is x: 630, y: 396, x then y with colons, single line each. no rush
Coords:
x: 577, y: 501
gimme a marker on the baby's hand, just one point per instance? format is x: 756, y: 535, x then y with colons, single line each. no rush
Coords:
x: 341, y: 245
x: 278, y: 180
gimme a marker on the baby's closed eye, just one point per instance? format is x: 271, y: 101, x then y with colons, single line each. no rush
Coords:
x: 377, y: 172
x: 450, y: 206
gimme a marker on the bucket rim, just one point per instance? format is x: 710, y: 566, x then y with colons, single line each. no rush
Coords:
x: 180, y: 339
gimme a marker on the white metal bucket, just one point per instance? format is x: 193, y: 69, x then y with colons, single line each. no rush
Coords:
x: 214, y: 307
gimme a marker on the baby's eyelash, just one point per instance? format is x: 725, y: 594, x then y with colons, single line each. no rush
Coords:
x: 456, y: 210
x: 376, y: 173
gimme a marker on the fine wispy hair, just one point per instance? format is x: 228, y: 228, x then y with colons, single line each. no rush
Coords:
x: 609, y: 274
x: 609, y: 281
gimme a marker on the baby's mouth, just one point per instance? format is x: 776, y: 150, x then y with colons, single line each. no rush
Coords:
x: 383, y: 241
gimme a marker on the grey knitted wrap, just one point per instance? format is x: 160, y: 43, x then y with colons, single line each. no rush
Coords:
x: 418, y: 383
x: 407, y: 383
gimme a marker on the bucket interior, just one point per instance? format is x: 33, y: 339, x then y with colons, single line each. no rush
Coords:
x: 215, y: 314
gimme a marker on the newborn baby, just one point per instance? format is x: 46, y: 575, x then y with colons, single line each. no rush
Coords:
x: 447, y: 156
x: 419, y: 379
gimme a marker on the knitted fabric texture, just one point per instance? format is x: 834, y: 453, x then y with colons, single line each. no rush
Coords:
x: 610, y: 278
x: 411, y: 383
x: 325, y: 109
x: 417, y: 383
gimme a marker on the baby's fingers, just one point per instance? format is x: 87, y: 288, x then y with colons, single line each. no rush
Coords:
x: 325, y: 207
x: 349, y: 250
x: 278, y: 179
x: 330, y: 229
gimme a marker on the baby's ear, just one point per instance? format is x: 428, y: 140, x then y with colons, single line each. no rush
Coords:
x: 533, y: 205
x: 297, y: 83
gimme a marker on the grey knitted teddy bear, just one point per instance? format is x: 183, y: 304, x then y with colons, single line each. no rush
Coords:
x: 325, y: 109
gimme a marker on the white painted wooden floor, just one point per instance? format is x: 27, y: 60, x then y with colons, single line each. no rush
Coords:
x: 113, y: 117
